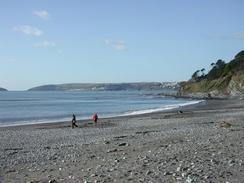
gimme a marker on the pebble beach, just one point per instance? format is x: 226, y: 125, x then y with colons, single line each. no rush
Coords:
x: 199, y: 143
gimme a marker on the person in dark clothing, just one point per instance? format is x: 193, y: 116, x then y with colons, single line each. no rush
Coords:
x: 73, y: 122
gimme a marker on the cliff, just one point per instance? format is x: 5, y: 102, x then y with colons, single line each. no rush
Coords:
x: 224, y: 79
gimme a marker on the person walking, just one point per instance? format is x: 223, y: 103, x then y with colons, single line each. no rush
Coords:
x: 95, y: 117
x: 73, y: 122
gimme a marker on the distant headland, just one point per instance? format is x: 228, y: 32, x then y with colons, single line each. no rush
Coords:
x: 107, y: 86
x: 3, y: 89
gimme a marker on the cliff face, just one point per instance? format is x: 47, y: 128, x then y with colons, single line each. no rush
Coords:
x: 222, y: 80
x: 236, y: 85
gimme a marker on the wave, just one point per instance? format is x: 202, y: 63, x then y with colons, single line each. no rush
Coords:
x: 164, y: 108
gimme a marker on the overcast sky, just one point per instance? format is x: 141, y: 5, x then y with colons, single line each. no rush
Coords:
x: 76, y: 41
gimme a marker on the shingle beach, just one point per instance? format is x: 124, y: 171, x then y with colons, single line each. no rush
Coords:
x: 202, y: 143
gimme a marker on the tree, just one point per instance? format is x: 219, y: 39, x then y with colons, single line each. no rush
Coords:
x: 212, y: 64
x: 240, y: 54
x: 202, y: 71
x: 217, y: 69
x: 220, y: 63
x: 195, y: 75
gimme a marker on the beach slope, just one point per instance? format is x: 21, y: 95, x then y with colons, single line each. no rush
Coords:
x: 198, y: 144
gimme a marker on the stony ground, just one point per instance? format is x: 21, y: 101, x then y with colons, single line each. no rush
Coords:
x: 202, y: 144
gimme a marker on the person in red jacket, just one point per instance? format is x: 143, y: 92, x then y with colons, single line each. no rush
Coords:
x: 95, y: 117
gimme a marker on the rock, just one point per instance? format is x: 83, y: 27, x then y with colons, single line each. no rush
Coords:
x: 183, y: 174
x: 149, y: 172
x: 98, y: 166
x: 144, y: 165
x: 93, y: 175
x: 52, y: 181
x: 188, y: 180
x: 142, y: 180
x: 112, y: 150
x: 123, y: 144
x: 92, y: 156
x: 111, y: 170
x: 120, y: 137
x: 168, y: 173
x: 144, y: 158
x: 225, y: 124
x: 178, y: 179
x: 231, y: 161
x: 206, y: 177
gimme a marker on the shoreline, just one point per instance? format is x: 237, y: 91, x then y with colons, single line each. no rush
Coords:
x: 204, y: 143
x: 194, y: 102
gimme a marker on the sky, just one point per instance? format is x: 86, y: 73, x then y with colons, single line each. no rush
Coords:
x: 106, y: 41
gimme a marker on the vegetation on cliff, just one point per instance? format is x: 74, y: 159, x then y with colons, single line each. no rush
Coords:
x: 222, y: 79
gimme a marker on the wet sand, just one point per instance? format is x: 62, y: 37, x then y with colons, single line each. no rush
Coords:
x: 204, y: 143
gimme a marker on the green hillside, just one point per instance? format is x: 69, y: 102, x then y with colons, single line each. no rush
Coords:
x: 223, y: 79
x: 103, y: 86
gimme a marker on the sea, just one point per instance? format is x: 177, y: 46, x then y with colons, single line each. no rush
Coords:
x: 31, y: 107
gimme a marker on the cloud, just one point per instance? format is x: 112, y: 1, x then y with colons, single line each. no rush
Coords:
x: 45, y: 44
x: 117, y: 45
x: 43, y: 14
x: 29, y: 30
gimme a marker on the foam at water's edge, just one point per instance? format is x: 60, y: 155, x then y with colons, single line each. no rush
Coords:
x: 164, y: 108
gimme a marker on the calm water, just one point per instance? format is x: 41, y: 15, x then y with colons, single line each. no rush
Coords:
x: 37, y: 107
